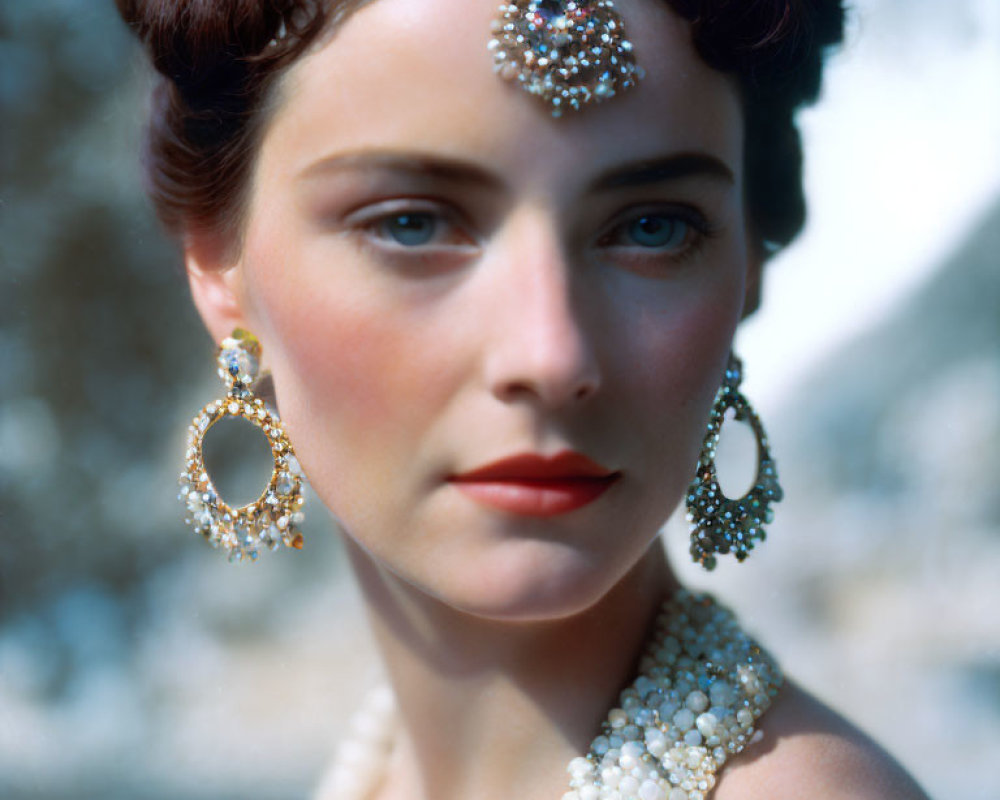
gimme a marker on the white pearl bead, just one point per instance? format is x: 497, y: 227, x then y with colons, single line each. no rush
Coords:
x: 656, y: 742
x: 678, y: 794
x: 697, y: 701
x: 611, y: 776
x: 580, y: 767
x: 629, y: 786
x: 369, y: 726
x: 684, y: 719
x: 353, y: 752
x: 650, y: 790
x: 632, y: 749
x: 706, y: 724
x: 589, y: 793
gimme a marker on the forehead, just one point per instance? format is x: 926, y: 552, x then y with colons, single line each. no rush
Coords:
x: 417, y: 75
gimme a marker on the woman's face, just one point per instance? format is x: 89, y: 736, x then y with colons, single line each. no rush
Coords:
x: 444, y: 276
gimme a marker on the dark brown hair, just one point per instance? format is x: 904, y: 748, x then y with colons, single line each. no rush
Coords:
x: 218, y: 59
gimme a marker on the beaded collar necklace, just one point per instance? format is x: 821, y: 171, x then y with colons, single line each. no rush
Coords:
x: 703, y: 684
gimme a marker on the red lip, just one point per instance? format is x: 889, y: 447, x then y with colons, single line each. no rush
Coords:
x: 534, y: 485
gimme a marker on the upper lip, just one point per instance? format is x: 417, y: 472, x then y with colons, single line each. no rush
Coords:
x: 567, y: 465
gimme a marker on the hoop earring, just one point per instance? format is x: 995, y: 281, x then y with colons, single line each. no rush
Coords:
x: 720, y: 524
x: 273, y: 518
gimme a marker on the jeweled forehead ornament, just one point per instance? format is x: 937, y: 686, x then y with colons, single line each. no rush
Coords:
x: 570, y: 53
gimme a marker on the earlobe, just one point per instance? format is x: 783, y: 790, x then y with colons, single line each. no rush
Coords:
x: 215, y: 286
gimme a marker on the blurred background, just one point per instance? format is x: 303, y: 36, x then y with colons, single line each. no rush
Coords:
x: 135, y: 662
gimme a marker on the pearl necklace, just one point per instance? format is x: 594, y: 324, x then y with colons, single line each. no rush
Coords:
x: 702, y: 685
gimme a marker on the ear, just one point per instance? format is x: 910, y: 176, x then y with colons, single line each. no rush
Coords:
x: 215, y: 280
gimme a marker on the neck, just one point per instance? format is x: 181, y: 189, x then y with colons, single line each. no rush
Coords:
x: 493, y: 708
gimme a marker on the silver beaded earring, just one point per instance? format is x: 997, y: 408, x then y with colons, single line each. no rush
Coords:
x: 720, y: 524
x: 272, y: 519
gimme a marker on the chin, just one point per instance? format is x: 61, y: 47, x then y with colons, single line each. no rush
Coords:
x: 534, y: 582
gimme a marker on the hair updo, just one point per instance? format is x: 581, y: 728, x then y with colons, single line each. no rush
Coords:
x: 218, y: 59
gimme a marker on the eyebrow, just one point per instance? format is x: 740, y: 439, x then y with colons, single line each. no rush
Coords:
x: 660, y: 170
x: 415, y: 164
x: 643, y: 172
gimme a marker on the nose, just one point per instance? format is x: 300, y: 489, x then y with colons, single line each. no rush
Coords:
x: 541, y: 343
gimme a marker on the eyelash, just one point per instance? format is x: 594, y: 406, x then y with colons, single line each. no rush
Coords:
x: 698, y: 231
x: 372, y: 223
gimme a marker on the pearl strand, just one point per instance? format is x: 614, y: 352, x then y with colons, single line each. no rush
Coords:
x: 361, y: 758
x: 703, y: 683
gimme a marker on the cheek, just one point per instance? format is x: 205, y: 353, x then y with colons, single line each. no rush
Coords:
x: 338, y: 356
x: 686, y: 340
x: 680, y: 352
x: 350, y: 375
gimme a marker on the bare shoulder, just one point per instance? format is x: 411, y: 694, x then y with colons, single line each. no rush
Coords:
x: 808, y: 750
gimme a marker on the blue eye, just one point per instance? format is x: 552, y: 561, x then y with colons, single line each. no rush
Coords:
x: 658, y: 231
x: 409, y: 230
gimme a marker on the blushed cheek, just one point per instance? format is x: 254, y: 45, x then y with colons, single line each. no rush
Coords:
x: 325, y: 343
x: 358, y: 371
x: 345, y: 384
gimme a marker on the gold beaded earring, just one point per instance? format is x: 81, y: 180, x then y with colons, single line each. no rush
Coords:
x: 271, y: 520
x: 720, y: 524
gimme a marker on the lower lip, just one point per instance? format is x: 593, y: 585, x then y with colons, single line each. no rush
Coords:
x: 536, y: 498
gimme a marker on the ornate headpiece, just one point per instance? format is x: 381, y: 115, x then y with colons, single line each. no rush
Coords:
x: 570, y: 53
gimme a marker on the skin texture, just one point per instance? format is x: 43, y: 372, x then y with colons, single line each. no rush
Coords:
x: 534, y: 326
x: 535, y: 318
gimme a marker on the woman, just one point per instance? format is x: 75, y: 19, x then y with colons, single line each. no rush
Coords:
x: 495, y: 324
